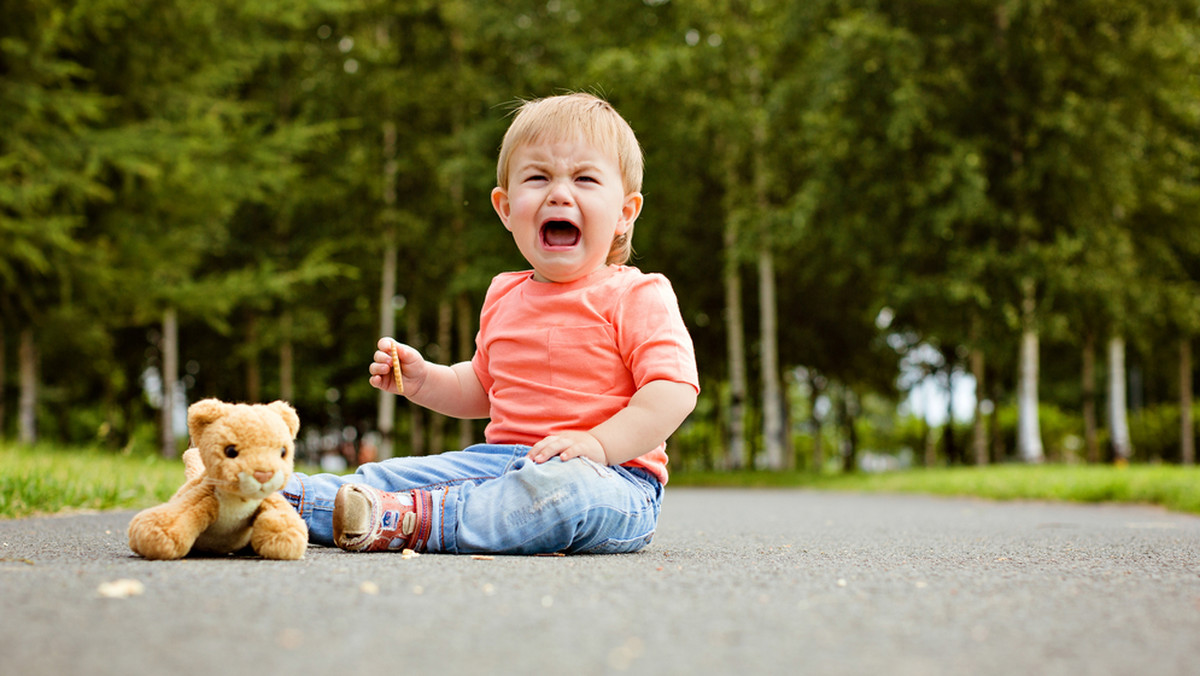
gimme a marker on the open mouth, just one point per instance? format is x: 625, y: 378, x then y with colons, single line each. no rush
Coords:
x: 559, y: 234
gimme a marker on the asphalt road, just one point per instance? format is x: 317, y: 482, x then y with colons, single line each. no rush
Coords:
x: 736, y: 582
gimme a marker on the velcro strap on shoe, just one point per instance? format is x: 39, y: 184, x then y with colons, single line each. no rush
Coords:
x: 418, y: 538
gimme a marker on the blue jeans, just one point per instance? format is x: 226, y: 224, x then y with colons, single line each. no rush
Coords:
x: 492, y: 498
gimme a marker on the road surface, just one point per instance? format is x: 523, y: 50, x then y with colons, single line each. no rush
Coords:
x: 736, y: 582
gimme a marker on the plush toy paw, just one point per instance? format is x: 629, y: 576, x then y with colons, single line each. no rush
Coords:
x: 279, y: 532
x: 151, y: 537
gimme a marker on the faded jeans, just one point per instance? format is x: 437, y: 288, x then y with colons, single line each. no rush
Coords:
x: 492, y: 498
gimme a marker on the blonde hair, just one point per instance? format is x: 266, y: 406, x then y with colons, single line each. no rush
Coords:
x: 563, y: 117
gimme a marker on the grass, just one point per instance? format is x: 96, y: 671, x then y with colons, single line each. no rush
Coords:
x: 45, y: 479
x: 48, y: 479
x: 1176, y: 488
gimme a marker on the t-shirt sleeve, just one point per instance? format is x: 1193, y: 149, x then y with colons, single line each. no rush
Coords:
x: 652, y: 336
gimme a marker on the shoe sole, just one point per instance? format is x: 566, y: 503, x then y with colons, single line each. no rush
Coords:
x: 347, y: 509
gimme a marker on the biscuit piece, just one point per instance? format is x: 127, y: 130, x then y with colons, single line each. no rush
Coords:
x: 396, y: 372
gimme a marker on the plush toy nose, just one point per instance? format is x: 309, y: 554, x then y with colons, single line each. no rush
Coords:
x: 263, y: 477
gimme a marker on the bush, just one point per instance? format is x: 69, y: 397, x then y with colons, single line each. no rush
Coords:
x: 1154, y: 433
x: 1062, y: 432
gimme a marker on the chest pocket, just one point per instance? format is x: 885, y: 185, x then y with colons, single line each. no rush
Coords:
x: 586, y: 359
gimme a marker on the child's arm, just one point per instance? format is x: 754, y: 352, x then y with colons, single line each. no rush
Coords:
x: 450, y: 390
x: 654, y: 412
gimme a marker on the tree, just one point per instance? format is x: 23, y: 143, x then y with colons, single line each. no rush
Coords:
x: 184, y: 148
x: 870, y: 179
x: 47, y: 173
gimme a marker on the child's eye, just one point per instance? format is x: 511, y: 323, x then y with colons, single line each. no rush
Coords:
x: 587, y: 179
x: 535, y: 177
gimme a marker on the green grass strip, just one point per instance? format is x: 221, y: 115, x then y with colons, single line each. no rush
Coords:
x: 45, y: 480
x: 49, y: 479
x: 1176, y: 488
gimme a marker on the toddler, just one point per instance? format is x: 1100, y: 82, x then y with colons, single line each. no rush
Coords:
x: 582, y: 364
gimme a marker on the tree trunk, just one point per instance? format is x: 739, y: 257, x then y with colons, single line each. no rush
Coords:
x: 3, y: 381
x: 387, y: 285
x: 412, y: 329
x: 954, y: 455
x: 1118, y: 423
x: 287, y: 359
x: 772, y: 403
x: 387, y: 327
x: 1091, y: 442
x: 735, y: 457
x: 789, y: 441
x: 253, y: 368
x: 463, y: 317
x: 816, y: 389
x: 170, y: 376
x: 979, y: 437
x: 929, y: 458
x: 999, y: 447
x: 1187, y: 430
x: 27, y: 404
x: 437, y: 422
x: 849, y: 414
x: 1029, y: 434
x: 466, y: 350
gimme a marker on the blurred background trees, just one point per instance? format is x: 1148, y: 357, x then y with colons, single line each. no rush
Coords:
x: 924, y: 231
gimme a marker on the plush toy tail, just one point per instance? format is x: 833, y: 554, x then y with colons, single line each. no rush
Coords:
x: 193, y: 466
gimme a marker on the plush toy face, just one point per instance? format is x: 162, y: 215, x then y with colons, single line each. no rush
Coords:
x: 248, y: 450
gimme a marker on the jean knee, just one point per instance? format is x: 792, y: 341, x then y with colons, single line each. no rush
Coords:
x: 542, y: 480
x: 554, y: 474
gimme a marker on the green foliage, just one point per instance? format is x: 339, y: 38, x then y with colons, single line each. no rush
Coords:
x: 47, y: 173
x: 1062, y: 431
x: 1155, y: 433
x: 227, y: 161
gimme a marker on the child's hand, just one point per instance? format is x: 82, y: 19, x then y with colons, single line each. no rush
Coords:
x: 412, y: 366
x: 567, y: 445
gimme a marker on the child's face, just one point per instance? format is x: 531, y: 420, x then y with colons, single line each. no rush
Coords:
x: 565, y: 202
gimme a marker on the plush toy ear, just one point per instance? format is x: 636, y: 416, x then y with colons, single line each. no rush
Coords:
x: 288, y: 414
x: 202, y: 414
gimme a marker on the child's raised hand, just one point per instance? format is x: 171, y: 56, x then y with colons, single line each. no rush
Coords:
x: 568, y: 445
x: 383, y: 372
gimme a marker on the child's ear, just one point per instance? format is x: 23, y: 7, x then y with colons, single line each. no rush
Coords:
x: 629, y: 212
x: 501, y: 205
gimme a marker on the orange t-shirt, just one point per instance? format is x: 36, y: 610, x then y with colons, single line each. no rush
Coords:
x: 559, y: 357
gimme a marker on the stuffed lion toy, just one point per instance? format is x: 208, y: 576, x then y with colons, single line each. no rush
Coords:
x: 242, y: 456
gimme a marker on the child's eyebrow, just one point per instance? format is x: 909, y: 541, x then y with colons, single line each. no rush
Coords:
x: 546, y: 165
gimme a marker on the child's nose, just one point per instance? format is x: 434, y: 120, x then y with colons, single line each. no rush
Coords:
x: 560, y: 195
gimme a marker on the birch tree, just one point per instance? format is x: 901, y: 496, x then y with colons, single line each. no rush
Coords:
x: 1029, y: 435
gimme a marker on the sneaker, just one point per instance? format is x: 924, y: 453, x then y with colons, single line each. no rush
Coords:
x: 367, y: 519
